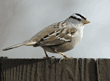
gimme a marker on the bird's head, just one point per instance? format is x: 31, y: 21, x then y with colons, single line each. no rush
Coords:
x: 77, y: 19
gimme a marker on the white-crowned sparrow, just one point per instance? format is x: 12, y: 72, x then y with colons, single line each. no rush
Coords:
x: 58, y: 37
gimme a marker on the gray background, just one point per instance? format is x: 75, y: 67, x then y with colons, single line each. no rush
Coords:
x: 22, y: 19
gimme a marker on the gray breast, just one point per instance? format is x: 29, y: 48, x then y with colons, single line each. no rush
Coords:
x: 77, y: 38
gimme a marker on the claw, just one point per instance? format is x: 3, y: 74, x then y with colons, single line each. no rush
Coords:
x: 61, y: 59
x: 65, y: 58
x: 52, y: 57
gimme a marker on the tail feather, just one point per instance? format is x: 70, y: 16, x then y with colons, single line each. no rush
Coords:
x: 15, y: 46
x: 27, y: 43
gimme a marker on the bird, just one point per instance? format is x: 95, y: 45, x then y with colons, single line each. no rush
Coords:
x: 58, y: 37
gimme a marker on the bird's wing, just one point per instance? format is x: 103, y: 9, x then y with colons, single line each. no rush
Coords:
x: 54, y: 35
x: 46, y: 31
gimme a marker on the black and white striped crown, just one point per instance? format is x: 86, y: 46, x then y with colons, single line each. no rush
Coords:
x: 77, y: 16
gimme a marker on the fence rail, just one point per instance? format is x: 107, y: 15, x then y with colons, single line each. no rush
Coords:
x: 52, y: 70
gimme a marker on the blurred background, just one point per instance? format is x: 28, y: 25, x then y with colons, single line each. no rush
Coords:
x: 22, y: 19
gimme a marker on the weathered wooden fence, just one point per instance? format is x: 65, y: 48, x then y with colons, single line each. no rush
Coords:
x: 52, y: 70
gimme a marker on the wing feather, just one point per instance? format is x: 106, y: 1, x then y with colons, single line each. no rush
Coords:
x: 57, y: 33
x: 45, y: 32
x: 65, y: 34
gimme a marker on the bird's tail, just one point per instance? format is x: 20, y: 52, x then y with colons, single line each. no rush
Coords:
x: 26, y: 43
x: 11, y: 47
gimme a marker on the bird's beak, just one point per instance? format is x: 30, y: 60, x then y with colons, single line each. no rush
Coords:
x: 86, y: 21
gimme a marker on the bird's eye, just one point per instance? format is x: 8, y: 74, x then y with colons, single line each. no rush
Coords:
x: 78, y: 19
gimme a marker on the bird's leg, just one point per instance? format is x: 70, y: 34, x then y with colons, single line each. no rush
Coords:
x: 47, y: 55
x: 61, y: 53
x: 64, y: 56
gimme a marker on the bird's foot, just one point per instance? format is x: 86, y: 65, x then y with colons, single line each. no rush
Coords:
x: 65, y: 57
x: 47, y: 57
x: 52, y: 57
